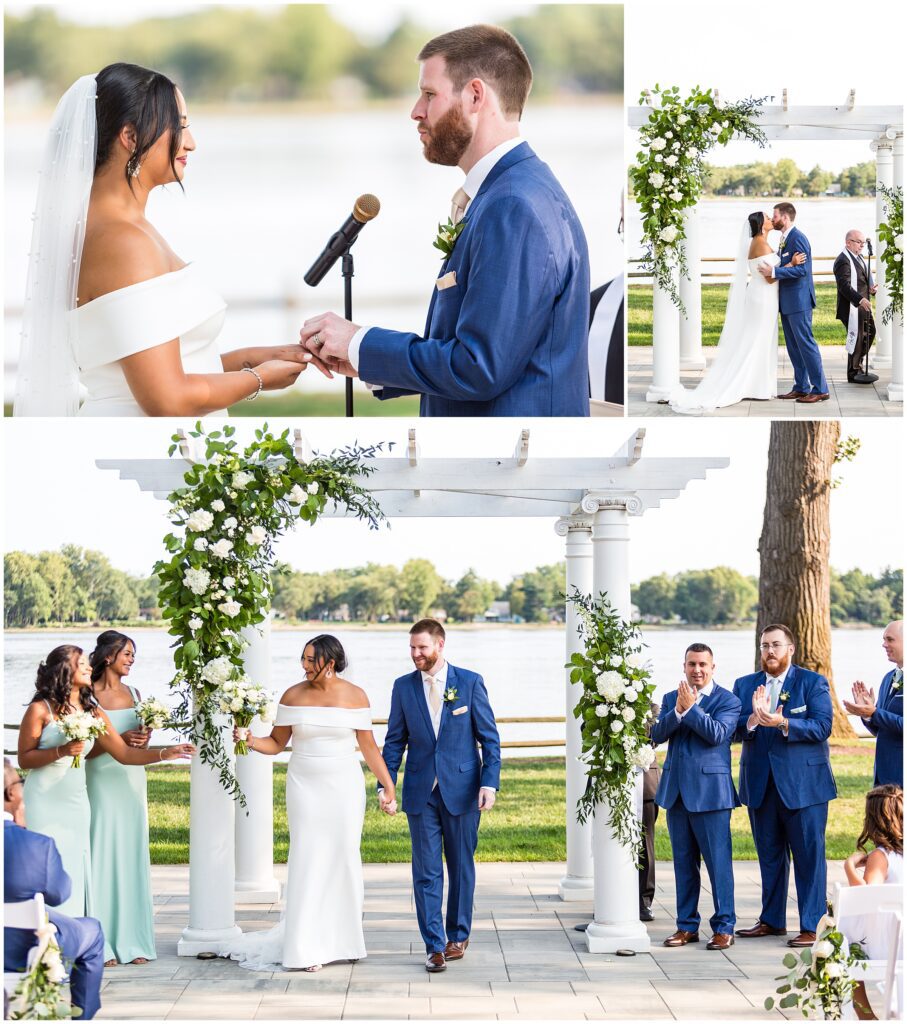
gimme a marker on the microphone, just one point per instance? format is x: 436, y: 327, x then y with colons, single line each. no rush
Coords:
x: 366, y: 208
x: 869, y: 246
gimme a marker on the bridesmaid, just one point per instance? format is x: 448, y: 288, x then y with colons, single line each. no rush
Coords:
x: 56, y: 796
x: 120, y: 852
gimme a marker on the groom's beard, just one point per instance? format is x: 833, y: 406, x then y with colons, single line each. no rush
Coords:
x: 426, y: 663
x: 449, y: 139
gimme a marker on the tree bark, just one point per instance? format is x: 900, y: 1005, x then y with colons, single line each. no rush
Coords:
x: 794, y: 573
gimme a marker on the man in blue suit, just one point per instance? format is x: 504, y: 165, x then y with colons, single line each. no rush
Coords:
x: 31, y: 865
x: 508, y: 322
x: 884, y: 717
x: 797, y: 299
x: 786, y: 782
x: 698, y: 720
x: 439, y: 716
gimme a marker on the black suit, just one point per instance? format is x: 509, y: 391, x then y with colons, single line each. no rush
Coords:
x: 614, y: 366
x: 848, y: 297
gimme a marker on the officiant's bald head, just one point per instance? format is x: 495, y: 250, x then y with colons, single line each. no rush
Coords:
x: 855, y: 240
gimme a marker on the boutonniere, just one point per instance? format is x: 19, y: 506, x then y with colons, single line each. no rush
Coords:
x: 783, y: 697
x: 450, y: 695
x: 895, y: 685
x: 447, y: 237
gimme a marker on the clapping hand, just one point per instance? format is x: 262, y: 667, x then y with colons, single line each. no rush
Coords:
x: 761, y: 712
x: 686, y: 696
x: 863, y: 704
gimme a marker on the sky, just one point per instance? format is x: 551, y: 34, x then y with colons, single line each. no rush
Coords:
x: 56, y: 495
x: 818, y: 52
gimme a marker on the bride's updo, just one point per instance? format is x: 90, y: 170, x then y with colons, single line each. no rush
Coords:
x: 328, y: 648
x: 756, y: 220
x: 129, y: 94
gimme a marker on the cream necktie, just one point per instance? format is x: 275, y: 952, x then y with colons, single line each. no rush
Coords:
x: 434, y: 696
x: 458, y: 206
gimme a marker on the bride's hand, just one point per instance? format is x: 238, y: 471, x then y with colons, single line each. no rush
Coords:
x: 797, y: 259
x: 277, y: 374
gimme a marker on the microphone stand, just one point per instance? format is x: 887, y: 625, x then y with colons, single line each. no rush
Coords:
x: 346, y: 269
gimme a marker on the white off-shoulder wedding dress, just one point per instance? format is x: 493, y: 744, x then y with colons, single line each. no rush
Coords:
x: 180, y: 304
x: 323, y: 901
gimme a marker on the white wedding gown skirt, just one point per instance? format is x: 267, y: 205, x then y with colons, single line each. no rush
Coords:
x: 746, y: 362
x: 324, y: 896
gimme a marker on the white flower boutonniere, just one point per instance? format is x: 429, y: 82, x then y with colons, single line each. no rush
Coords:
x: 783, y: 697
x: 447, y: 237
x: 450, y: 695
x: 895, y: 685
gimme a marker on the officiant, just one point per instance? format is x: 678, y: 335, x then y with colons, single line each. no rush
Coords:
x: 855, y: 286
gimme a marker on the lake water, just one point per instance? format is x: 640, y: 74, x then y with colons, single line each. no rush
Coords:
x: 265, y: 192
x: 522, y: 668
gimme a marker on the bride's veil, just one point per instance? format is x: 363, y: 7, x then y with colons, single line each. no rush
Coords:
x: 736, y: 299
x: 47, y: 382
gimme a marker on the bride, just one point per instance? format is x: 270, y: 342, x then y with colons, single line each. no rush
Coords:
x: 746, y: 363
x: 108, y: 302
x: 326, y: 716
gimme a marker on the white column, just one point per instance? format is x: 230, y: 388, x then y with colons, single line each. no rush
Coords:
x: 665, y: 347
x: 211, y: 865
x: 896, y: 386
x: 577, y: 882
x: 691, y: 355
x: 881, y: 357
x: 616, y: 902
x: 255, y: 881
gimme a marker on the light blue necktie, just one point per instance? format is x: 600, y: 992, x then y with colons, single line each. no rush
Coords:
x: 774, y: 692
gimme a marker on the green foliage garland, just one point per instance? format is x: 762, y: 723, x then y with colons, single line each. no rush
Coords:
x: 891, y: 242
x: 670, y: 171
x: 218, y: 579
x: 40, y: 993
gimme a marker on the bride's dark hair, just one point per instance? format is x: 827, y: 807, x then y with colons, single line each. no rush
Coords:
x: 129, y: 94
x: 54, y: 680
x: 756, y: 220
x: 327, y: 648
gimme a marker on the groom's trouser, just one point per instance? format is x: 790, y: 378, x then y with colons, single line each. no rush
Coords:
x: 697, y: 836
x: 433, y: 831
x: 781, y: 833
x: 804, y: 352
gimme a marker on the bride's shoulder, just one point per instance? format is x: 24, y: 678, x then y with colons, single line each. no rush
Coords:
x: 293, y: 694
x: 759, y: 248
x: 118, y: 254
x: 356, y: 696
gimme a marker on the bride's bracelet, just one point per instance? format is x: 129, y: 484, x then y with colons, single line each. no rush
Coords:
x: 257, y: 376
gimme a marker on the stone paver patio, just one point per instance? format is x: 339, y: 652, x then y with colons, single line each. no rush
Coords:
x: 846, y: 399
x: 525, y: 961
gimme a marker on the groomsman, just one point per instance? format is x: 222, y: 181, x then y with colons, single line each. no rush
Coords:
x: 786, y: 782
x: 698, y: 720
x: 884, y: 717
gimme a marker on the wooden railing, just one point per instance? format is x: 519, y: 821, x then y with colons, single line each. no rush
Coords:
x: 724, y: 275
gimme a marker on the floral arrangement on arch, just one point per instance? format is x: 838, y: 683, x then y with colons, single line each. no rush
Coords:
x: 217, y: 580
x: 821, y: 977
x: 891, y: 242
x: 669, y: 173
x: 615, y: 708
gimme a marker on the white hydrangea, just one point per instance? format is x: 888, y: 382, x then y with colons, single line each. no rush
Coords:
x: 231, y: 608
x: 297, y: 495
x: 236, y: 704
x: 628, y: 714
x: 228, y: 582
x: 257, y: 535
x: 658, y: 144
x: 682, y: 118
x: 197, y: 580
x: 616, y: 725
x: 630, y: 692
x: 242, y: 479
x: 230, y: 523
x: 676, y: 196
x: 200, y: 520
x: 602, y: 710
x: 672, y: 159
x: 222, y: 548
x: 668, y: 234
x: 195, y: 622
x: 218, y: 505
x: 656, y: 179
x: 313, y: 487
x: 676, y: 146
x: 643, y: 757
x: 217, y: 671
x: 610, y: 685
x: 200, y: 543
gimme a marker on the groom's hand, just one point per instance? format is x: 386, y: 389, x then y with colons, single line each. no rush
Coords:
x: 765, y: 271
x: 487, y: 798
x: 328, y: 338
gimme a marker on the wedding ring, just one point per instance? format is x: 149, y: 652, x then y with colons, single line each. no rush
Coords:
x: 316, y: 341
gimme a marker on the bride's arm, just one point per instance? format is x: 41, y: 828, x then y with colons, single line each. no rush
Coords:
x: 369, y: 750
x: 273, y: 744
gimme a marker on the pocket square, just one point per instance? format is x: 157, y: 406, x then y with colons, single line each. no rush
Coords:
x: 460, y: 711
x: 447, y: 281
x: 796, y: 711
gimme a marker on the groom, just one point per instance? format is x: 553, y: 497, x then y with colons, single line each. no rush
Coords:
x: 440, y: 715
x: 508, y: 321
x: 797, y: 299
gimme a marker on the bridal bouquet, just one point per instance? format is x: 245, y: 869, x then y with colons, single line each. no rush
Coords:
x: 83, y: 726
x: 243, y: 701
x: 152, y: 713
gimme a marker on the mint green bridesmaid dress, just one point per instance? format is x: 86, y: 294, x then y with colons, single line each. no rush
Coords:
x: 56, y: 804
x: 120, y: 855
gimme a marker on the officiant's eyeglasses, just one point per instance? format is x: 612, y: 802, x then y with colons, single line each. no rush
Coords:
x: 776, y: 646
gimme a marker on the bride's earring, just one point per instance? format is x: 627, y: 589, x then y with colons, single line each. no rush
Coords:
x: 134, y: 173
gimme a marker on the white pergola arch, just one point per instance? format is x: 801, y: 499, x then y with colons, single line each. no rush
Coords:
x: 592, y: 501
x: 677, y: 340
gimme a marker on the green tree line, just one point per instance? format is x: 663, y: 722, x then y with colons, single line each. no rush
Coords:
x: 723, y: 596
x: 785, y: 178
x: 300, y: 51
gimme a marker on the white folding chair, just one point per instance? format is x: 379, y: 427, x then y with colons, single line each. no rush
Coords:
x: 891, y: 988
x: 866, y: 914
x: 27, y: 914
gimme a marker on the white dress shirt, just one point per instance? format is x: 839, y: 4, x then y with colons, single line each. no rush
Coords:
x: 439, y: 679
x: 706, y: 691
x: 475, y: 179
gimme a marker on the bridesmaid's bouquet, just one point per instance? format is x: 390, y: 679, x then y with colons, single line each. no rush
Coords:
x: 152, y: 713
x: 82, y: 726
x: 243, y: 701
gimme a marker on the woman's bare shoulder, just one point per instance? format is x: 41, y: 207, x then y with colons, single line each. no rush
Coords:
x: 117, y: 254
x: 355, y: 695
x: 759, y: 247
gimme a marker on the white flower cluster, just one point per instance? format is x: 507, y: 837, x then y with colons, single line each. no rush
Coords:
x: 81, y: 725
x: 242, y: 479
x: 610, y: 685
x: 256, y: 535
x: 197, y: 580
x: 152, y: 713
x: 218, y: 671
x: 244, y: 699
x: 231, y: 608
x: 200, y: 520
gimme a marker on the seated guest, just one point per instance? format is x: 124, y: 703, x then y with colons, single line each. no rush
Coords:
x: 31, y: 865
x: 606, y: 348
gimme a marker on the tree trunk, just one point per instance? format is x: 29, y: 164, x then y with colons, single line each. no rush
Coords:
x: 793, y: 549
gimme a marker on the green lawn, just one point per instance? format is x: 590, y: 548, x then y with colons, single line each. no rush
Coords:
x: 827, y: 330
x: 324, y: 403
x: 526, y: 824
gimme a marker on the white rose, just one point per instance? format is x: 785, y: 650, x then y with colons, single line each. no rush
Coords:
x: 242, y: 479
x: 834, y: 970
x: 229, y: 582
x: 656, y: 205
x: 658, y: 158
x: 668, y: 234
x: 676, y: 146
x: 658, y: 144
x: 232, y: 494
x: 195, y: 622
x: 628, y: 714
x: 200, y: 520
x: 616, y: 725
x: 899, y: 241
x: 602, y: 710
x: 230, y: 523
x: 682, y: 119
x: 715, y: 129
x: 630, y: 693
x: 222, y: 548
x: 313, y: 487
x: 669, y: 135
x: 724, y: 124
x: 297, y: 495
x: 675, y: 181
x: 231, y: 608
x: 200, y: 544
x: 897, y: 257
x: 257, y: 535
x: 656, y: 179
x: 671, y: 160
x: 677, y: 196
x: 822, y: 949
x: 197, y: 580
x: 269, y: 712
x: 218, y: 505
x: 236, y: 704
x: 55, y: 972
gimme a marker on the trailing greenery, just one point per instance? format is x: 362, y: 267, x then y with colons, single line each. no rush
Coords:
x: 528, y: 820
x: 891, y: 243
x: 41, y: 994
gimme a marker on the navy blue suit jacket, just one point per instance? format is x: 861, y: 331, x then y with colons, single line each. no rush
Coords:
x: 698, y: 765
x: 510, y: 338
x: 453, y: 758
x: 796, y: 291
x: 799, y: 763
x: 887, y: 725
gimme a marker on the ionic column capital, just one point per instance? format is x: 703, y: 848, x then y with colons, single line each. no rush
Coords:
x: 572, y: 524
x: 632, y: 504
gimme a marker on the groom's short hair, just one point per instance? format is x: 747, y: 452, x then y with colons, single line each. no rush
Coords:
x: 788, y: 209
x: 487, y: 52
x: 430, y: 626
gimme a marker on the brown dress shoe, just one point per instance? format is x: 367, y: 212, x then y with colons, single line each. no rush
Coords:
x: 681, y: 938
x: 720, y: 940
x: 759, y: 930
x: 455, y: 950
x: 813, y: 398
x: 435, y: 963
x: 803, y: 939
x: 794, y: 394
